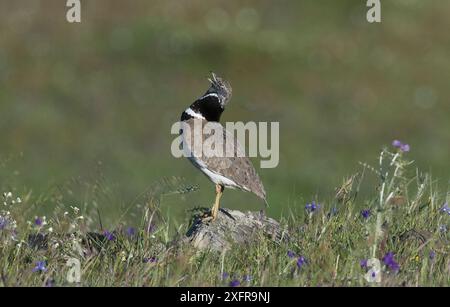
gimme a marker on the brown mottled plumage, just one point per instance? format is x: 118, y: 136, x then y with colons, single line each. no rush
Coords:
x: 238, y: 168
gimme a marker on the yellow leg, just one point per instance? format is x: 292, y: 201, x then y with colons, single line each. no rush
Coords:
x: 215, y: 208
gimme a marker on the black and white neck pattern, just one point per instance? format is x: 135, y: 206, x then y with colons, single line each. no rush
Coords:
x: 207, y: 107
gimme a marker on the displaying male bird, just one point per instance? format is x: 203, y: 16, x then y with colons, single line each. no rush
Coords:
x: 226, y: 171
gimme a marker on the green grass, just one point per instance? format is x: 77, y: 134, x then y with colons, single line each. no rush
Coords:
x: 406, y: 219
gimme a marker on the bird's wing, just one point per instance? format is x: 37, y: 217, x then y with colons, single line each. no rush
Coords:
x: 233, y: 165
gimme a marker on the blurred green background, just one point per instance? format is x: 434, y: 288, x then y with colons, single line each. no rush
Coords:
x: 97, y: 99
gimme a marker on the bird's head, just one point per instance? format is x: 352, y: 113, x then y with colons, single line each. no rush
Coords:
x: 220, y: 87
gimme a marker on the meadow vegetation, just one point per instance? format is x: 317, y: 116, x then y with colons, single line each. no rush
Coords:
x: 332, y: 242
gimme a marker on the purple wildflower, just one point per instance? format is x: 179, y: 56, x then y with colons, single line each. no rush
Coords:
x: 235, y: 283
x: 363, y: 264
x: 109, y: 235
x: 247, y: 278
x: 131, y: 231
x: 290, y: 254
x: 366, y: 213
x: 40, y: 267
x: 301, y: 261
x: 225, y: 275
x: 3, y: 222
x: 405, y: 148
x: 432, y: 255
x: 38, y: 221
x: 390, y: 262
x: 150, y: 260
x: 312, y: 206
x: 400, y: 145
x: 397, y: 143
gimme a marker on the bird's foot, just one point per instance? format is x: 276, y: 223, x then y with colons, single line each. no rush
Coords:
x: 206, y: 218
x: 210, y: 216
